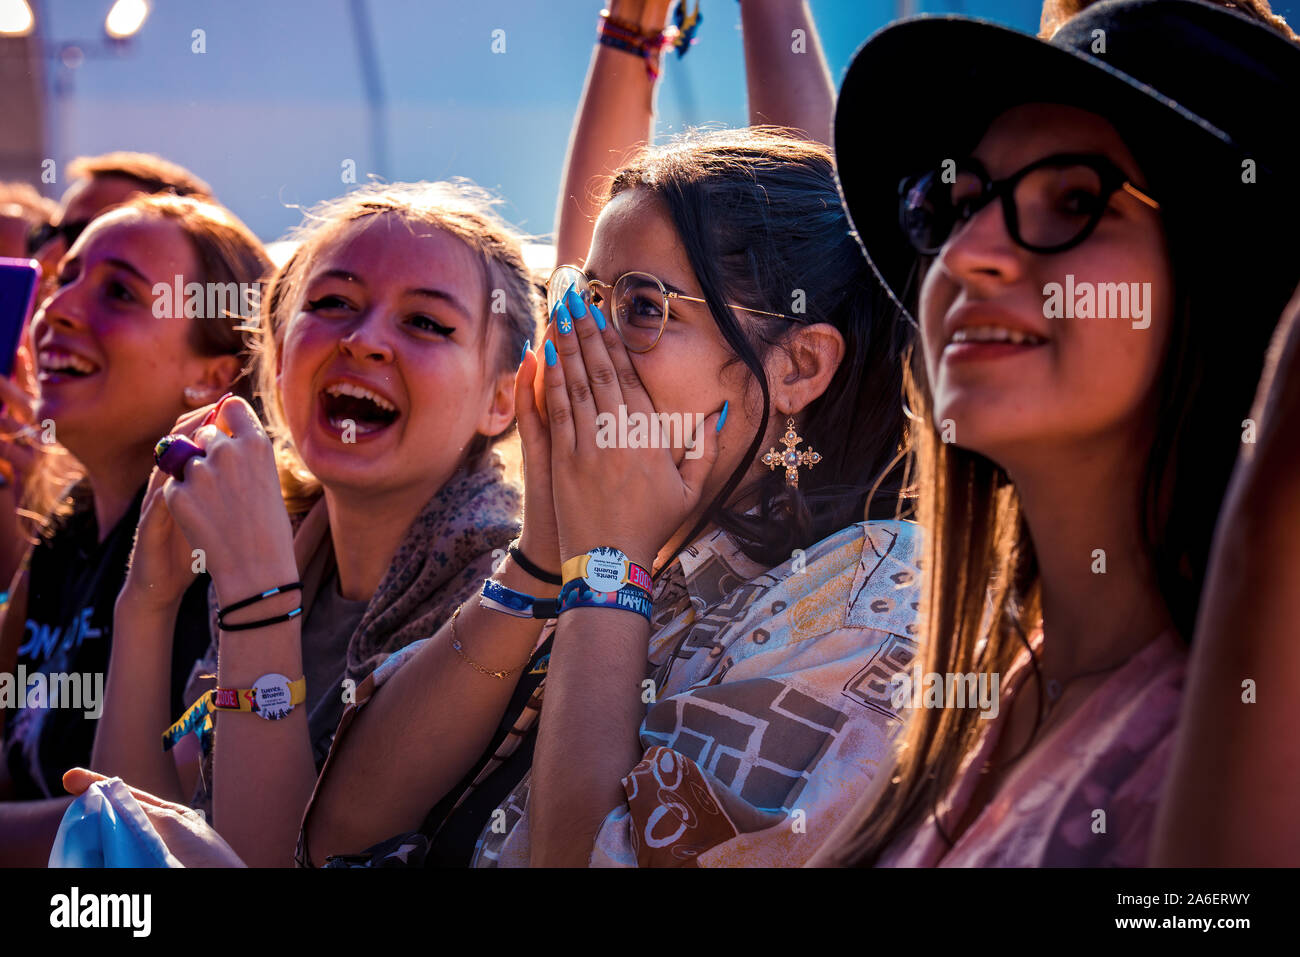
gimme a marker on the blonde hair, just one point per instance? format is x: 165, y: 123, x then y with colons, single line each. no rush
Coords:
x: 459, y: 208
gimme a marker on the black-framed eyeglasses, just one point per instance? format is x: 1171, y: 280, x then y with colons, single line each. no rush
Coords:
x: 1049, y: 206
x: 40, y: 235
x: 637, y: 303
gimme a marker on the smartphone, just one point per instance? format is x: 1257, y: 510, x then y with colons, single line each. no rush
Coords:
x: 18, y: 281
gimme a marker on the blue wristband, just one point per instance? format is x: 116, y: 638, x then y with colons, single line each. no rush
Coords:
x: 576, y: 594
x: 498, y: 597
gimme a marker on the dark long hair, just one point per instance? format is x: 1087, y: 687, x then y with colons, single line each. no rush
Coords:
x: 759, y: 217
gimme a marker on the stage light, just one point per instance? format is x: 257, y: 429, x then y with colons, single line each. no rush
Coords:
x: 16, y: 18
x: 126, y: 18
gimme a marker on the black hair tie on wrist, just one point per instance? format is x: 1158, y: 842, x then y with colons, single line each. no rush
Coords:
x: 261, y: 596
x: 261, y: 622
x: 522, y: 561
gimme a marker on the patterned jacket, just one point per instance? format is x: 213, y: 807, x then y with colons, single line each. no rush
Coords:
x: 771, y: 709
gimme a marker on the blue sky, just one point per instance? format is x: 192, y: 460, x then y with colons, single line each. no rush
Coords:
x: 269, y: 113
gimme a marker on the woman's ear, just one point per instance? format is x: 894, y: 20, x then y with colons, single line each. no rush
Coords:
x: 804, y: 366
x: 217, y: 376
x: 500, y: 412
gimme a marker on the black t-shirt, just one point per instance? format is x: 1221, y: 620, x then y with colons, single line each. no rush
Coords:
x: 73, y: 586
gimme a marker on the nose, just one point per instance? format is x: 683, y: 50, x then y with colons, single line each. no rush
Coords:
x: 64, y: 309
x: 981, y: 251
x: 368, y: 339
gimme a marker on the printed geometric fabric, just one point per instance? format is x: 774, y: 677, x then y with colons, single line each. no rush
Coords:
x: 757, y: 738
x: 681, y: 812
x: 768, y: 716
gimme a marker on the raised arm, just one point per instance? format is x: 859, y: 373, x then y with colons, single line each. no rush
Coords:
x: 786, y: 75
x: 631, y: 499
x: 615, y: 116
x: 1234, y: 784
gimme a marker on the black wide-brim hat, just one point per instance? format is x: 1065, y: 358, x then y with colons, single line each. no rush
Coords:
x: 1193, y: 89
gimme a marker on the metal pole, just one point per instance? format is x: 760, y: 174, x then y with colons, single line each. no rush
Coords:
x: 370, y: 76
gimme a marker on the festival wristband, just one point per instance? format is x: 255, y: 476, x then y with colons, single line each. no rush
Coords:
x: 272, y: 697
x: 605, y: 569
x: 197, y: 718
x: 172, y: 452
x: 576, y: 594
x: 498, y: 597
x: 266, y: 698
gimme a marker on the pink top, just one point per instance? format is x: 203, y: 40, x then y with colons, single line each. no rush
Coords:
x: 1086, y: 796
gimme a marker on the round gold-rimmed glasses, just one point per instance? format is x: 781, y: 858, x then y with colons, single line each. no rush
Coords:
x: 637, y: 303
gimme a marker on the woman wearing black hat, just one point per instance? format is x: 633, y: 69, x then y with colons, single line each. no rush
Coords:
x: 1096, y: 239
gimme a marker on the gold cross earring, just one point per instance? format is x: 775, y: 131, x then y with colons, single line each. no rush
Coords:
x: 790, y: 458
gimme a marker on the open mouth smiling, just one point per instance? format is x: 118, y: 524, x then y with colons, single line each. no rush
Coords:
x: 57, y: 365
x: 346, y: 404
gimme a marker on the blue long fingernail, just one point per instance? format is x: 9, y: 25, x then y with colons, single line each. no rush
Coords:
x: 551, y: 357
x: 528, y: 344
x: 574, y: 303
x: 598, y: 316
x: 723, y: 418
x: 558, y: 309
x: 563, y: 321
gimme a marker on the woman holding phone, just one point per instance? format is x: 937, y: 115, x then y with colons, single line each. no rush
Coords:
x: 111, y: 372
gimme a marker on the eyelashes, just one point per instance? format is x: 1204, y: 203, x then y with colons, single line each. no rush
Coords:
x: 421, y: 321
x: 433, y: 325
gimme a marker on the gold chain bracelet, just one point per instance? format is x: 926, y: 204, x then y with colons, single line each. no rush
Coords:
x: 455, y: 643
